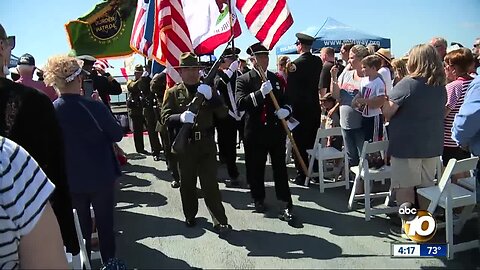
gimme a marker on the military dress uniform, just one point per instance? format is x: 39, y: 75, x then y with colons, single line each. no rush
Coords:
x: 135, y: 113
x: 158, y: 86
x: 263, y: 135
x: 149, y: 102
x: 302, y: 92
x: 228, y: 127
x: 140, y: 111
x: 199, y: 158
x: 243, y: 69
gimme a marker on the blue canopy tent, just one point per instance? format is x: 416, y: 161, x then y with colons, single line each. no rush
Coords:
x: 332, y: 34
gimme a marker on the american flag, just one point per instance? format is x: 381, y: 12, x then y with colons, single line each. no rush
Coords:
x: 102, y: 64
x: 172, y: 32
x: 142, y: 31
x: 268, y: 20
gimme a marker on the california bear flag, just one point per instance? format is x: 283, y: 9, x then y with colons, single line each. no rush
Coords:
x: 208, y: 22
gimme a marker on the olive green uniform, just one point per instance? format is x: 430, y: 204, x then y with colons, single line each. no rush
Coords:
x: 151, y: 117
x: 199, y: 158
x: 158, y: 87
x: 135, y: 112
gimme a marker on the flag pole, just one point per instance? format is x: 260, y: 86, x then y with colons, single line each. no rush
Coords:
x: 303, y: 166
x: 232, y: 32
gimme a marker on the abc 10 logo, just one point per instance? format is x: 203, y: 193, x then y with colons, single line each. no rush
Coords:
x: 418, y: 225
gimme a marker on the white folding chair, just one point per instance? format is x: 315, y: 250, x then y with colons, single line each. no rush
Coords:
x: 369, y: 176
x: 81, y: 259
x: 448, y: 196
x: 96, y: 255
x: 468, y: 183
x: 321, y: 153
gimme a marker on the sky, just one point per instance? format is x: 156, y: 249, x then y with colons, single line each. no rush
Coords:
x: 39, y: 25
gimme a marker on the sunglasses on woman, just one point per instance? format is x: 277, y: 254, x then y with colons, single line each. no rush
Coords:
x: 10, y: 41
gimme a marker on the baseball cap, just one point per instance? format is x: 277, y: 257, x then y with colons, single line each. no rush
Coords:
x: 26, y: 59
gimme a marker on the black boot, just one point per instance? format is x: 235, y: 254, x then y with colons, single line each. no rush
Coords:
x: 259, y: 206
x: 191, y: 222
x: 175, y: 184
x: 287, y: 213
x: 233, y: 182
x: 299, y: 180
x: 156, y: 157
x: 222, y: 229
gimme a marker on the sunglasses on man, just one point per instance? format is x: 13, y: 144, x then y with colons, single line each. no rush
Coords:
x: 10, y: 41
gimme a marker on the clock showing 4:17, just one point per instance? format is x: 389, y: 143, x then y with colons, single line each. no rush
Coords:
x: 419, y: 250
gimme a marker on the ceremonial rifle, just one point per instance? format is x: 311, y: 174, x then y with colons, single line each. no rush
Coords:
x: 179, y: 145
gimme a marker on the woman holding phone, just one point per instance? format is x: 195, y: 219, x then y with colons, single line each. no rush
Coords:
x: 89, y: 131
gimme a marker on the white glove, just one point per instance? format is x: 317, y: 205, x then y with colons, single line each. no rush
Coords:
x: 266, y: 88
x: 187, y: 117
x: 233, y: 67
x: 205, y: 90
x: 282, y: 113
x: 145, y: 74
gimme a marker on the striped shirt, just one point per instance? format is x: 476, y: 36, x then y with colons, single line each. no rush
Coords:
x: 24, y: 191
x: 455, y: 94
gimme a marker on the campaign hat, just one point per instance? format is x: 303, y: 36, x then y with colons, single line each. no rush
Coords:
x: 188, y: 60
x: 138, y: 68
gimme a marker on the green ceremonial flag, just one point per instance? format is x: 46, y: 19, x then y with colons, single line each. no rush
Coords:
x: 105, y: 31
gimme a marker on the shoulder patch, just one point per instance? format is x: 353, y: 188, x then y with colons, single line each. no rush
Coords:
x: 292, y: 67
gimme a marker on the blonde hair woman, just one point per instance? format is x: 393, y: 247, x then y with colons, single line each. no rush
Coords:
x: 282, y: 62
x: 399, y: 69
x: 282, y: 70
x: 423, y: 62
x: 89, y: 131
x: 416, y: 108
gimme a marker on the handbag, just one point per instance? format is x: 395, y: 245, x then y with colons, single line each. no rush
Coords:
x: 120, y: 156
x: 375, y: 160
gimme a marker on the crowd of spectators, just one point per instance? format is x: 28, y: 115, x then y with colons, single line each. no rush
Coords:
x: 429, y: 101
